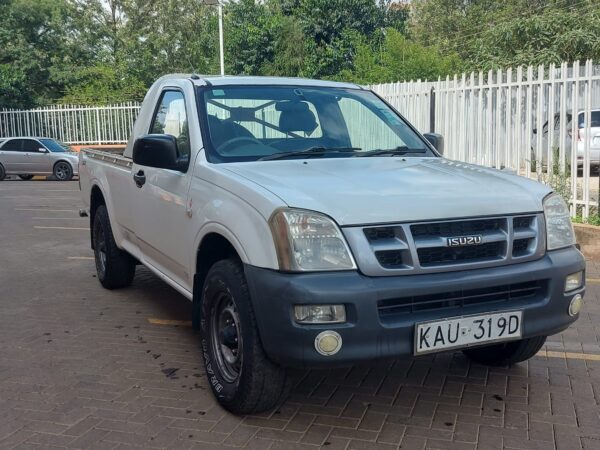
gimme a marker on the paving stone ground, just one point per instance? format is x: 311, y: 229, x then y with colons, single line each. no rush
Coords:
x: 82, y: 367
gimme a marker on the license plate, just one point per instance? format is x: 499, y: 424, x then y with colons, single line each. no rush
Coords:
x: 465, y: 331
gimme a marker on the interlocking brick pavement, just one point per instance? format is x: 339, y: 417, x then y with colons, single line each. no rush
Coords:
x: 81, y: 367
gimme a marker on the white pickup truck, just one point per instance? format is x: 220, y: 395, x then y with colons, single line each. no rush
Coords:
x: 312, y: 226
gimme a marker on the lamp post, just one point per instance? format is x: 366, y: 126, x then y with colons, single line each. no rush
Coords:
x: 219, y: 4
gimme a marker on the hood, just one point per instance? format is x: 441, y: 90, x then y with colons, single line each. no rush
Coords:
x: 390, y: 189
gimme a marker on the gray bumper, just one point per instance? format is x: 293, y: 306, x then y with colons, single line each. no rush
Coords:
x: 368, y: 334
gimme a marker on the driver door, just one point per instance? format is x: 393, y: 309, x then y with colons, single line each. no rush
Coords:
x: 160, y: 218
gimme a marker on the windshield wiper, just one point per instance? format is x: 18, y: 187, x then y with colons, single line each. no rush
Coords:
x: 403, y: 150
x: 312, y: 151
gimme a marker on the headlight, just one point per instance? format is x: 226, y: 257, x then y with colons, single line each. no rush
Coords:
x: 309, y: 241
x: 559, y: 229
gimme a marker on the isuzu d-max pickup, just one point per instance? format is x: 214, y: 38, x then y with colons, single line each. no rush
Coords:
x: 312, y: 226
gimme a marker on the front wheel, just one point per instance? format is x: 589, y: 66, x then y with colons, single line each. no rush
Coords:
x: 2, y: 173
x: 63, y: 171
x: 506, y: 354
x: 25, y: 177
x: 242, y: 378
x: 115, y: 268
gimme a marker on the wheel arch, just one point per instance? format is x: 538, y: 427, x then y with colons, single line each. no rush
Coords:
x: 65, y: 161
x: 213, y: 247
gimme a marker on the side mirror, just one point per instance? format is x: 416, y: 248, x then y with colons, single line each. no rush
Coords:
x: 157, y: 150
x: 42, y: 150
x: 437, y: 140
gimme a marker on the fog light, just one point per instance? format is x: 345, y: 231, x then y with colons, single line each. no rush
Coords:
x: 573, y: 281
x: 575, y: 306
x: 320, y: 313
x: 328, y: 343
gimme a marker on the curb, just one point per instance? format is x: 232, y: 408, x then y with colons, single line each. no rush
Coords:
x: 588, y: 237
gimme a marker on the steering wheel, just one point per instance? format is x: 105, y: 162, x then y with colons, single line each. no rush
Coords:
x: 221, y: 148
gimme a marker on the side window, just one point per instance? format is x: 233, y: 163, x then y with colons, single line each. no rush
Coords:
x: 29, y: 145
x: 14, y: 145
x: 171, y: 118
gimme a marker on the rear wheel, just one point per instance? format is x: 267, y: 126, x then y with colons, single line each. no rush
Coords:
x: 63, y: 171
x: 2, y: 172
x: 115, y: 267
x: 25, y: 177
x: 506, y: 354
x: 242, y: 378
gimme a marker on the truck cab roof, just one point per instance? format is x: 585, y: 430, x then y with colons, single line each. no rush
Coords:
x: 227, y: 80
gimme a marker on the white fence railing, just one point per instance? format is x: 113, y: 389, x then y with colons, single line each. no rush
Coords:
x: 528, y: 119
x: 72, y: 124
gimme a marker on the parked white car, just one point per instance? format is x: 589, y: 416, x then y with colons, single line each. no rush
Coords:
x: 313, y: 226
x: 590, y: 132
x: 29, y: 156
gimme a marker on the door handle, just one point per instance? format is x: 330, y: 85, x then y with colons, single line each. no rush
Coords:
x: 139, y: 178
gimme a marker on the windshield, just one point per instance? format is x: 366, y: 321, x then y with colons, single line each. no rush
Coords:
x: 248, y: 123
x: 55, y: 146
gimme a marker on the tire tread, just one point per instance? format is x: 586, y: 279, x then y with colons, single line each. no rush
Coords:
x: 267, y: 384
x: 120, y: 266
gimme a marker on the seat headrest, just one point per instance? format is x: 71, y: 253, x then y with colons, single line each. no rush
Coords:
x: 296, y: 116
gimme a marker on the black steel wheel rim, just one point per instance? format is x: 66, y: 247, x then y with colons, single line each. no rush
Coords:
x: 226, y: 337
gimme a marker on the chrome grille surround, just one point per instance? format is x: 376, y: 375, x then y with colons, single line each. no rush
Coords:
x: 421, y: 247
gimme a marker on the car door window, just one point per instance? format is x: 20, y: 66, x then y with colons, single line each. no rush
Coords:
x: 31, y: 146
x: 14, y: 145
x: 171, y: 118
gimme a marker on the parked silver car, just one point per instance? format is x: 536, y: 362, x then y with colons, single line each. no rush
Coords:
x: 590, y: 131
x: 29, y: 156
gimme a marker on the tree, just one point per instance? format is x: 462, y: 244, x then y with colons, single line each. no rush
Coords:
x: 399, y: 59
x: 33, y: 51
x: 489, y: 34
x: 250, y: 37
x: 102, y: 84
x: 550, y: 37
x: 289, y: 58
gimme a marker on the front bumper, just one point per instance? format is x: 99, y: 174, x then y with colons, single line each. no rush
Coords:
x: 366, y: 336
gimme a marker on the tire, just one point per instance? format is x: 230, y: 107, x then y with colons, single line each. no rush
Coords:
x: 506, y: 354
x: 62, y: 171
x: 115, y: 268
x: 25, y: 177
x: 242, y: 378
x: 2, y: 173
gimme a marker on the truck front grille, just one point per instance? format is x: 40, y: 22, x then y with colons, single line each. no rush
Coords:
x: 440, y: 246
x: 451, y: 255
x: 460, y: 228
x: 519, y: 294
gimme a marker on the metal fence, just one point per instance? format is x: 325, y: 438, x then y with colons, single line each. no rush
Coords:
x: 528, y: 119
x: 70, y: 124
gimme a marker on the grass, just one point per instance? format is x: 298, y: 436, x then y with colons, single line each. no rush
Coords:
x: 591, y: 220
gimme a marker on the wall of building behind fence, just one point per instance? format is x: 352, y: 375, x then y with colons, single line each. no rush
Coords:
x: 489, y: 118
